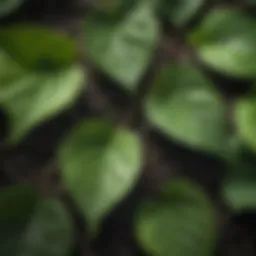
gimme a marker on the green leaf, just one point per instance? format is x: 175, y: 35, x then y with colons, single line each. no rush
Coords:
x: 226, y: 40
x: 38, y: 76
x: 100, y: 164
x: 33, y: 226
x: 31, y: 98
x: 123, y: 48
x: 184, y: 105
x: 240, y: 194
x: 181, y: 222
x: 37, y: 47
x: 239, y: 186
x: 181, y: 11
x: 8, y: 6
x: 245, y: 114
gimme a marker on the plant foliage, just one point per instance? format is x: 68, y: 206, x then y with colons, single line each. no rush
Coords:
x: 97, y: 168
x: 175, y: 223
x: 181, y: 95
x: 31, y: 76
x: 101, y: 160
x: 32, y: 225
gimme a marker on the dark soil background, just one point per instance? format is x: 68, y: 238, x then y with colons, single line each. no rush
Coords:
x: 33, y: 159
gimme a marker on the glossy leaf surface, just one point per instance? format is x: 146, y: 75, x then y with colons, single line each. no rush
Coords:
x: 184, y: 105
x: 123, y: 48
x: 100, y: 164
x: 226, y: 40
x: 32, y: 98
x: 36, y: 83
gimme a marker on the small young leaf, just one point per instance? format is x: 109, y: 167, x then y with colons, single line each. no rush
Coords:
x: 184, y: 105
x: 33, y: 97
x: 122, y: 49
x: 245, y: 113
x: 100, y: 164
x: 181, y: 222
x: 181, y: 11
x: 8, y: 6
x: 37, y: 47
x: 33, y: 226
x: 226, y: 42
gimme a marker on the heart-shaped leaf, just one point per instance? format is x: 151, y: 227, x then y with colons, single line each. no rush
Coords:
x: 30, y: 225
x: 31, y: 95
x: 181, y: 11
x: 245, y: 113
x: 8, y: 6
x: 226, y: 42
x: 181, y: 222
x: 100, y: 164
x: 184, y: 105
x: 123, y: 48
